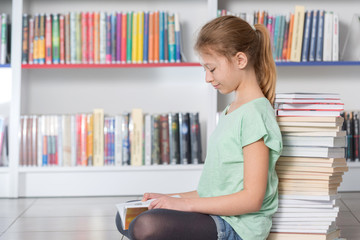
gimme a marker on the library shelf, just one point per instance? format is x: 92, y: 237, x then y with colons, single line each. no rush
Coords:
x: 117, y: 65
x: 338, y: 63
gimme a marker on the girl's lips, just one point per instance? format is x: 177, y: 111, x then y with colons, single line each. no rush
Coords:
x: 216, y: 85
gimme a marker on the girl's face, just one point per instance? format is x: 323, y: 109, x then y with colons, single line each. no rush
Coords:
x: 224, y: 75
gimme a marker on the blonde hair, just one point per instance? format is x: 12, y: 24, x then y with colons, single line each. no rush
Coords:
x: 228, y: 35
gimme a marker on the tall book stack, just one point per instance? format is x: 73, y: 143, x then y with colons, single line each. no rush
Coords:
x: 311, y: 166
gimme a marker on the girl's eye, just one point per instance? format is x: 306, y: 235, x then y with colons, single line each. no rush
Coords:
x: 212, y: 70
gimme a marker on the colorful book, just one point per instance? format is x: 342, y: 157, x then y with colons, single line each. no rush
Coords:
x: 48, y: 39
x: 136, y: 137
x: 55, y: 39
x: 172, y: 47
x: 123, y: 37
x: 297, y: 34
x: 25, y: 42
x: 84, y: 39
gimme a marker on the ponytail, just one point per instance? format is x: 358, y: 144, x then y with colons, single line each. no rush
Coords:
x: 264, y: 64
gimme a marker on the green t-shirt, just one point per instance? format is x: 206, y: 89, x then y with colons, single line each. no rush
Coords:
x: 223, y: 171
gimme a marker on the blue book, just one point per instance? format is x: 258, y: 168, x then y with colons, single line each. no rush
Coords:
x: 108, y: 39
x: 113, y: 38
x: 314, y: 29
x: 177, y: 38
x: 166, y: 37
x: 146, y: 38
x: 320, y: 37
x: 281, y: 38
x: 306, y: 36
x: 161, y: 37
x: 276, y: 35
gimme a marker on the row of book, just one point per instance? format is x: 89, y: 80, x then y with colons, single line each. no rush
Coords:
x: 351, y: 127
x: 310, y: 171
x: 4, y: 39
x: 101, y: 38
x: 96, y: 140
x: 4, y: 143
x: 302, y: 36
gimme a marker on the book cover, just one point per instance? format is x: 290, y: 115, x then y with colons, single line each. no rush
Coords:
x: 55, y: 39
x: 164, y: 139
x: 108, y: 40
x: 114, y: 44
x: 67, y: 39
x: 313, y: 36
x: 25, y: 41
x: 306, y: 36
x: 41, y: 41
x: 151, y: 37
x: 90, y: 139
x: 129, y: 37
x: 328, y: 36
x: 309, y: 113
x: 84, y: 37
x: 48, y: 39
x: 195, y: 139
x: 66, y: 137
x: 155, y: 148
x: 320, y: 37
x: 174, y: 138
x: 118, y: 33
x: 140, y: 42
x: 31, y: 40
x: 177, y: 38
x: 146, y: 38
x: 102, y: 37
x: 172, y: 46
x: 335, y: 35
x: 161, y: 37
x: 96, y: 37
x: 62, y: 38
x: 90, y: 37
x: 184, y: 132
x: 297, y: 34
x: 123, y: 37
x: 135, y: 37
x: 98, y: 137
x: 156, y: 37
x: 166, y: 37
x: 148, y: 140
x: 125, y: 139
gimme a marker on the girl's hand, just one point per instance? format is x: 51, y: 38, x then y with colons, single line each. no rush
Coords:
x: 148, y: 196
x: 173, y: 203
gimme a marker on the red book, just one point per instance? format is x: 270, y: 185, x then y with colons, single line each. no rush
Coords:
x: 78, y: 139
x: 151, y: 37
x: 156, y: 37
x: 62, y: 38
x: 84, y: 43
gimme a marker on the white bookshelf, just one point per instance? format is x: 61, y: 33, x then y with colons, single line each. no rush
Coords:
x: 50, y: 91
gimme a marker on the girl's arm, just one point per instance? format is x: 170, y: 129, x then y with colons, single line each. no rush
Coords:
x: 192, y: 194
x: 256, y: 164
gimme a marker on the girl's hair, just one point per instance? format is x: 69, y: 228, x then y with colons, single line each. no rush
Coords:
x: 228, y: 35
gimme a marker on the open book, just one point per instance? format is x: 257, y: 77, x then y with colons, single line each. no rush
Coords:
x: 128, y: 211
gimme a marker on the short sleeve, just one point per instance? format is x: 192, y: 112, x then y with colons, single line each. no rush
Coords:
x: 258, y: 124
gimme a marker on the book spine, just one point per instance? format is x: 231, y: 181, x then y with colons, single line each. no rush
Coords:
x: 156, y: 37
x: 140, y: 51
x: 73, y: 139
x: 84, y: 140
x: 314, y: 29
x: 67, y: 39
x: 78, y: 139
x: 55, y: 39
x: 172, y: 47
x: 356, y: 137
x: 125, y: 136
x: 136, y: 139
x: 41, y: 41
x: 119, y: 33
x: 123, y: 37
x: 112, y: 131
x: 151, y: 37
x: 31, y: 40
x: 320, y: 37
x: 148, y: 140
x: 62, y: 38
x: 96, y: 37
x: 166, y: 37
x: 113, y: 37
x: 102, y: 42
x: 161, y: 37
x: 106, y: 141
x: 66, y: 139
x: 134, y: 38
x: 59, y: 141
x: 297, y: 34
x: 73, y: 37
x: 118, y: 139
x: 90, y: 37
x: 25, y: 41
x: 164, y: 139
x: 349, y: 136
x: 40, y: 142
x: 174, y: 138
x: 306, y: 37
x: 281, y: 37
x: 328, y: 25
x: 184, y: 127
x: 286, y: 35
x: 195, y: 138
x: 78, y: 34
x: 335, y: 35
x: 155, y: 146
x: 146, y: 38
x: 36, y: 38
x: 108, y: 39
x: 48, y: 39
x: 177, y: 38
x: 290, y: 37
x: 129, y: 37
x: 84, y: 39
x: 45, y: 142
x: 98, y: 137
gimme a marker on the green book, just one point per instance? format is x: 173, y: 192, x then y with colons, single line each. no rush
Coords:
x: 129, y: 37
x: 55, y: 39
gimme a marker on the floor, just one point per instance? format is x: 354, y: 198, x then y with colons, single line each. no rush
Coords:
x: 93, y: 218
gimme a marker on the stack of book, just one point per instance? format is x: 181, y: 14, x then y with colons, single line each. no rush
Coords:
x: 4, y: 39
x: 351, y: 126
x: 302, y: 36
x: 3, y: 142
x: 311, y: 166
x: 134, y: 139
x: 101, y: 38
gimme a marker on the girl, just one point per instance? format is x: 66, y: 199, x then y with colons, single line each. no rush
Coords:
x: 237, y: 193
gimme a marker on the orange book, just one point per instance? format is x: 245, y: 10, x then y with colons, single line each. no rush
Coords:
x: 151, y: 37
x: 123, y: 37
x: 291, y: 28
x: 156, y: 37
x: 89, y: 142
x: 96, y: 37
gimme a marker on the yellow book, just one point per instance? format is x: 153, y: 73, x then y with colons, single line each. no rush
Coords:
x: 41, y: 41
x: 136, y: 137
x: 98, y: 146
x: 134, y: 38
x: 297, y: 37
x: 140, y: 52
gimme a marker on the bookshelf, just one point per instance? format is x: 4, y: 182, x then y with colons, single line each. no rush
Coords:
x: 50, y: 89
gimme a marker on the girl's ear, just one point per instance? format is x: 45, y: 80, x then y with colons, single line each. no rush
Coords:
x: 241, y: 60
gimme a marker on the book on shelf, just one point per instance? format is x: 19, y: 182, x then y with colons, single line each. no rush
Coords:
x: 5, y: 32
x: 97, y: 139
x: 101, y: 38
x: 351, y: 127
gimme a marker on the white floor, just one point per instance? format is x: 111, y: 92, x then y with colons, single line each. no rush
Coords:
x: 93, y: 218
